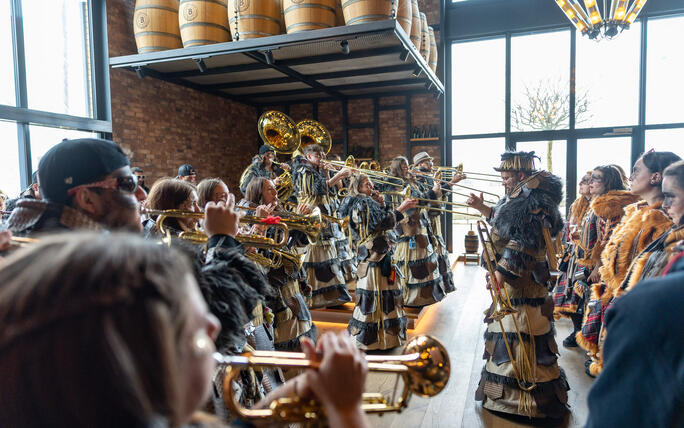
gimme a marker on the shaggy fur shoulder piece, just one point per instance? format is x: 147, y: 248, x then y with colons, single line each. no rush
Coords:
x: 578, y: 209
x: 613, y: 203
x: 377, y: 217
x: 301, y: 167
x: 641, y: 225
x: 522, y: 217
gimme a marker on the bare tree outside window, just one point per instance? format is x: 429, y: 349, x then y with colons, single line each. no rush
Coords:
x: 546, y: 106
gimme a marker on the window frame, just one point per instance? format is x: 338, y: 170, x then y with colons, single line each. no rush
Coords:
x: 22, y: 116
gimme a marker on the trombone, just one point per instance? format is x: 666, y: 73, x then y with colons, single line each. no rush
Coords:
x: 350, y: 163
x: 424, y: 367
x: 406, y: 194
x: 459, y: 170
x: 316, y: 212
x: 503, y: 307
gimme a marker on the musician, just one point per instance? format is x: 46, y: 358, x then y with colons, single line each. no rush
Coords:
x: 292, y: 318
x: 212, y: 189
x: 85, y: 184
x: 186, y: 172
x: 149, y: 336
x: 345, y: 253
x: 140, y: 174
x: 423, y: 164
x: 379, y: 320
x: 414, y: 255
x: 521, y: 227
x: 172, y: 194
x: 263, y: 166
x: 324, y: 272
x: 33, y: 191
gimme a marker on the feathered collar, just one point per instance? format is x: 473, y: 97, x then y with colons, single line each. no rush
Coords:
x: 613, y: 203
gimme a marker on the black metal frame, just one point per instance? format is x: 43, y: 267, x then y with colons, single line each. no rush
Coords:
x: 23, y: 116
x: 263, y: 55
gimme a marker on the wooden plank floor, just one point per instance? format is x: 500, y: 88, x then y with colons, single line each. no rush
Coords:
x: 457, y: 322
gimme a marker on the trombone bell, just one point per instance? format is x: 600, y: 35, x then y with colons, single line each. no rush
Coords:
x: 424, y: 366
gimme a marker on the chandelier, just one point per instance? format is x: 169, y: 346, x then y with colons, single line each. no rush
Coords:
x: 601, y: 22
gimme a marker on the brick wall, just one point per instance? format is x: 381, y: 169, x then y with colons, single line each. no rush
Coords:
x: 165, y: 125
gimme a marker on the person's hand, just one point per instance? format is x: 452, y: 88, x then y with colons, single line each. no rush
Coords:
x: 488, y: 278
x: 594, y: 277
x: 5, y: 240
x: 457, y: 177
x: 437, y: 187
x: 378, y: 198
x: 264, y: 210
x: 498, y: 277
x: 340, y: 378
x: 345, y: 173
x: 407, y: 205
x: 221, y: 218
x: 476, y: 202
x: 303, y: 209
x: 277, y: 181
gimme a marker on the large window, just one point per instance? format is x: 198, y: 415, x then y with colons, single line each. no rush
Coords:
x: 666, y: 140
x: 595, y: 152
x: 479, y: 82
x: 48, y: 81
x: 665, y: 76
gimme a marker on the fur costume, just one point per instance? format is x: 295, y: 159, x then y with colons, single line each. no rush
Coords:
x: 578, y: 209
x: 640, y: 226
x: 256, y: 169
x: 378, y: 321
x: 521, y: 257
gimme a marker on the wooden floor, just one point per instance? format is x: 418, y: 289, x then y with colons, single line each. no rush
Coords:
x: 457, y: 322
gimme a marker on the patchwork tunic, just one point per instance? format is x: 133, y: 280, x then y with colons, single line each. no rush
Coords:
x: 521, y: 257
x: 324, y: 272
x: 378, y: 321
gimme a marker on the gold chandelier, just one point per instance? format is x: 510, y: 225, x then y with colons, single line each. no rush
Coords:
x: 601, y: 22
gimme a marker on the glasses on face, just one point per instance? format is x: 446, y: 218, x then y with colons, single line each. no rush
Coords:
x: 596, y: 179
x: 128, y: 184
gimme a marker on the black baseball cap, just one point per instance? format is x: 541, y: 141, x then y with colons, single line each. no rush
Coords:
x: 264, y: 149
x: 186, y: 170
x: 72, y: 163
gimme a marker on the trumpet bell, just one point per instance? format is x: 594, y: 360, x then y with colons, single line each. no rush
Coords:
x: 429, y: 373
x: 279, y: 132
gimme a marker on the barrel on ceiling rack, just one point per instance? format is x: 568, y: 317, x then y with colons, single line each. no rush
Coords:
x: 155, y: 24
x: 203, y: 22
x: 303, y: 15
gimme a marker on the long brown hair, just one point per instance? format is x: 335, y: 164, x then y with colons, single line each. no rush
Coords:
x: 395, y: 167
x: 205, y: 188
x: 169, y: 194
x: 91, y: 328
x: 255, y: 190
x: 356, y: 182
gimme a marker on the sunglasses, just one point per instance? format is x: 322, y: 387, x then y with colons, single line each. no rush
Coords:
x: 128, y: 184
x: 596, y: 179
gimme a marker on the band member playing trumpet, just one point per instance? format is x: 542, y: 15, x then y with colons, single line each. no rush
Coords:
x: 323, y: 268
x: 378, y: 321
x: 263, y: 166
x: 521, y: 375
x: 292, y: 318
x: 415, y: 256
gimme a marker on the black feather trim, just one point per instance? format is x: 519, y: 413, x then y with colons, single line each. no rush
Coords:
x: 320, y: 182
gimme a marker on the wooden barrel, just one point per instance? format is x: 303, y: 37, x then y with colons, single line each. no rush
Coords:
x: 362, y: 11
x: 472, y: 243
x: 424, y: 38
x: 254, y: 18
x: 302, y: 15
x: 339, y: 15
x: 203, y: 22
x: 433, y: 50
x: 405, y: 15
x: 416, y: 25
x: 155, y: 24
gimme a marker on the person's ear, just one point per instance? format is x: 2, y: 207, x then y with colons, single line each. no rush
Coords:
x: 656, y: 178
x: 87, y: 201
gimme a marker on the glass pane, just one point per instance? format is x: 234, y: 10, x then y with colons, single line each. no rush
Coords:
x: 477, y: 155
x: 57, y: 56
x: 7, y: 54
x: 478, y: 86
x: 665, y: 68
x: 9, y: 160
x: 666, y: 140
x: 608, y: 80
x: 540, y: 84
x: 593, y: 152
x: 43, y: 138
x: 553, y: 155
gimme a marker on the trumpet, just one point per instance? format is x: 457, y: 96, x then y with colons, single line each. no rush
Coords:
x: 502, y: 308
x: 310, y: 224
x: 424, y: 367
x: 316, y: 212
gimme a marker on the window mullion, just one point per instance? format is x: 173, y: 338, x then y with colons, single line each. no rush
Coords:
x: 23, y: 138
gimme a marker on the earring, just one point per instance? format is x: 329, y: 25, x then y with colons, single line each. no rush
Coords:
x: 202, y: 343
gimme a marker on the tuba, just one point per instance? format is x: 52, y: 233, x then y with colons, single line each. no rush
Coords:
x: 313, y: 132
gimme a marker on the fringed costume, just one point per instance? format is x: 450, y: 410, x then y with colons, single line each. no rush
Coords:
x: 435, y: 232
x: 343, y: 245
x: 378, y: 321
x: 415, y: 256
x: 257, y: 169
x: 605, y: 212
x: 324, y: 273
x: 521, y: 227
x: 641, y: 225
